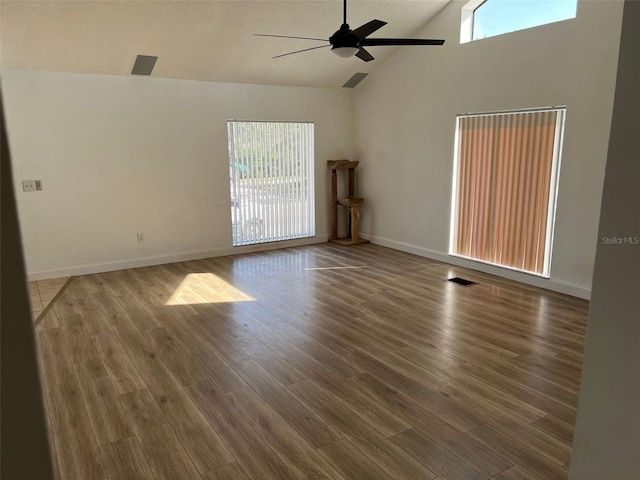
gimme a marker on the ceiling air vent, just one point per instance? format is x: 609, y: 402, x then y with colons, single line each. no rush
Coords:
x: 144, y: 65
x: 355, y: 80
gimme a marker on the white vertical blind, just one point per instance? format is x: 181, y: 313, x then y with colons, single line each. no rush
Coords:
x: 272, y: 186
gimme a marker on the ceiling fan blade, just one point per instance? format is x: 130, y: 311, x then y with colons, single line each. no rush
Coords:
x: 364, y: 55
x: 370, y: 42
x: 287, y: 36
x: 368, y: 28
x: 298, y: 51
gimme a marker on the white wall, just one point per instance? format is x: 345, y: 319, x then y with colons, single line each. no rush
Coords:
x: 607, y: 437
x: 405, y: 125
x: 121, y: 155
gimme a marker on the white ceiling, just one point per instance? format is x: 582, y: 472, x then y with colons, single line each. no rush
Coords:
x: 200, y: 40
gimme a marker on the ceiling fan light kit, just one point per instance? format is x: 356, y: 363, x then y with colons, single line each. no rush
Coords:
x: 346, y: 43
x: 345, y: 52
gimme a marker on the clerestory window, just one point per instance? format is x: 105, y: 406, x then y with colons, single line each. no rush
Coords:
x: 488, y: 18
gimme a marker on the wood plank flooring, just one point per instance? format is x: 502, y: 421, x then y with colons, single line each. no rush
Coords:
x: 42, y: 293
x: 319, y: 362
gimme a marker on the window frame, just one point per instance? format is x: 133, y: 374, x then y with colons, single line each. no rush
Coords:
x: 467, y: 16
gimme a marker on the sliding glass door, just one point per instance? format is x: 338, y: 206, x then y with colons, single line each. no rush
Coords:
x: 506, y: 173
x: 272, y: 186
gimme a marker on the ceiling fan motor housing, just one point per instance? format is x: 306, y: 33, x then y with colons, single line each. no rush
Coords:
x: 344, y: 38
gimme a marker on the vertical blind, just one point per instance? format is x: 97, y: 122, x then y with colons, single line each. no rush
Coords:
x: 272, y: 186
x: 505, y: 188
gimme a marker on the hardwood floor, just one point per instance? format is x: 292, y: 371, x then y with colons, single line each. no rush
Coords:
x: 42, y: 293
x: 319, y: 362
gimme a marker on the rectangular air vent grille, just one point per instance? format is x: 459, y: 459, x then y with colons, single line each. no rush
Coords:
x: 462, y: 281
x: 355, y: 80
x: 144, y: 65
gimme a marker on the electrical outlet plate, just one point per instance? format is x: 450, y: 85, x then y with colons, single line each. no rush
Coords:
x: 141, y: 238
x: 29, y: 185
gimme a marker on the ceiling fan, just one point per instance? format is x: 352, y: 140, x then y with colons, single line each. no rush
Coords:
x: 347, y: 43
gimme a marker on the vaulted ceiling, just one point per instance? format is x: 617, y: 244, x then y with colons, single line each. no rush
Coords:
x: 201, y: 40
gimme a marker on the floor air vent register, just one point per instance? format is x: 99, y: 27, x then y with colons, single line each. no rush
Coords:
x: 462, y: 281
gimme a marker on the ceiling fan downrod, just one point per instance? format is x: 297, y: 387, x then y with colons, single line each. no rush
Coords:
x: 344, y: 18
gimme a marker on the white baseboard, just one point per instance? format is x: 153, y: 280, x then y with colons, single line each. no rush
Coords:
x: 170, y: 258
x: 556, y: 285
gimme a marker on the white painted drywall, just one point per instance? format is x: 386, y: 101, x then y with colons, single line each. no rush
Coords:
x: 122, y: 155
x: 404, y: 115
x: 607, y: 436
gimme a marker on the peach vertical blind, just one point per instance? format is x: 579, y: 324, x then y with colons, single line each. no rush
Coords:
x: 505, y: 190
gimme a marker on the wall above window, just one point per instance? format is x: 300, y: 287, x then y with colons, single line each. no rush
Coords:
x: 488, y: 18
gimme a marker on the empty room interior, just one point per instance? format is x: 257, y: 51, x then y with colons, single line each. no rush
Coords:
x: 263, y: 240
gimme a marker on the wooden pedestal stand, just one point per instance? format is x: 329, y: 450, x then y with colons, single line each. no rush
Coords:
x: 351, y: 202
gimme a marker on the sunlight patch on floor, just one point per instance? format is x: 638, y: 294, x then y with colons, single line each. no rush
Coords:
x: 198, y: 288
